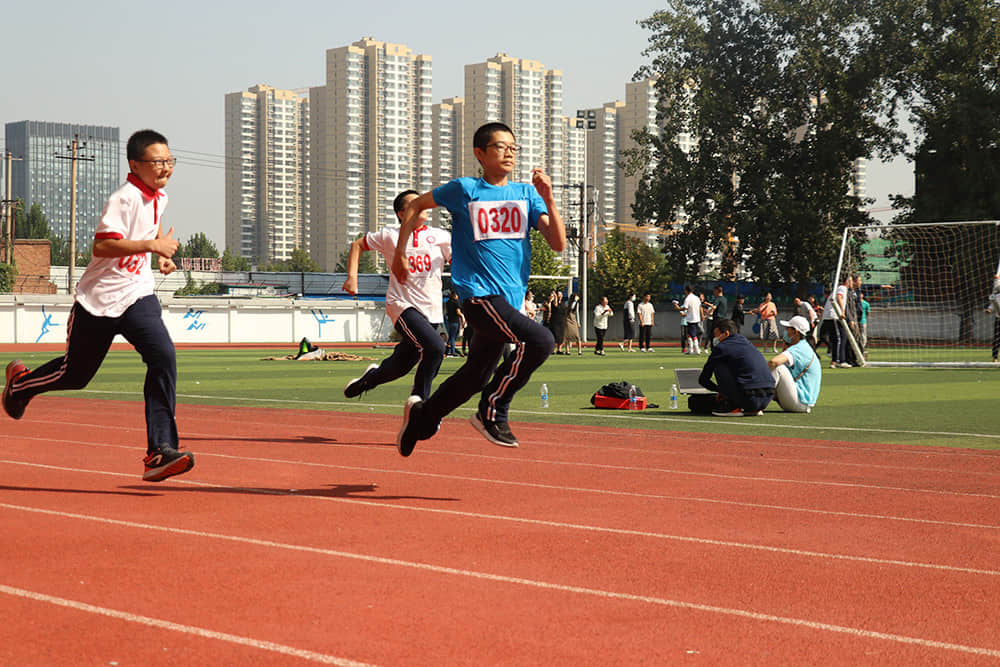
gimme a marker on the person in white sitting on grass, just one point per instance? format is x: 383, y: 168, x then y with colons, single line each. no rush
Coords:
x: 797, y: 370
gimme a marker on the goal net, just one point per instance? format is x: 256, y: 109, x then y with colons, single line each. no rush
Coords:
x: 928, y: 287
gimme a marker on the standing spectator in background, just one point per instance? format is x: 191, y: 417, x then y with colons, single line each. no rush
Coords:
x: 684, y: 326
x: 838, y: 309
x: 768, y: 321
x: 601, y: 314
x: 803, y: 309
x: 453, y: 322
x: 557, y: 320
x: 720, y: 311
x: 571, y: 330
x: 994, y: 308
x: 692, y: 315
x: 828, y: 324
x: 628, y: 323
x: 863, y: 322
x: 738, y: 316
x: 529, y: 308
x: 645, y: 314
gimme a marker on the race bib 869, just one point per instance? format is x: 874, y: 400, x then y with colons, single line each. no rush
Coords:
x: 499, y: 219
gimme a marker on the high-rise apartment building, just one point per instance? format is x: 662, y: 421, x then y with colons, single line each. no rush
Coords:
x: 42, y: 177
x: 267, y: 178
x: 372, y: 138
x: 528, y: 98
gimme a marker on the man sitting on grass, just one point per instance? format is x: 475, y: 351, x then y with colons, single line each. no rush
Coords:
x: 742, y: 379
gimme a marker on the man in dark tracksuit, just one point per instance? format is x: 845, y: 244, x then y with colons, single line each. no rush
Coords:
x: 742, y: 378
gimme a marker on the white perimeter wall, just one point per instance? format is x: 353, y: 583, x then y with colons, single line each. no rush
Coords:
x: 42, y: 319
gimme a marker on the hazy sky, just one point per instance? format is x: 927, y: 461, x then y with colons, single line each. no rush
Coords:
x: 169, y: 65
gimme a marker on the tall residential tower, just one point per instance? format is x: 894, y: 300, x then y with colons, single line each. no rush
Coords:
x: 267, y: 179
x: 372, y: 138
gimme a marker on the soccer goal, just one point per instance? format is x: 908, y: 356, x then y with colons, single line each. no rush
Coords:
x: 928, y: 286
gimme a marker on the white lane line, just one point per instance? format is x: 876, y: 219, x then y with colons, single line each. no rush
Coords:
x: 744, y: 423
x: 860, y: 633
x: 643, y: 469
x: 565, y: 526
x: 185, y: 629
x: 551, y: 487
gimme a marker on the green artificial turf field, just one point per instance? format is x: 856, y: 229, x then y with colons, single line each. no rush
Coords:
x: 940, y: 407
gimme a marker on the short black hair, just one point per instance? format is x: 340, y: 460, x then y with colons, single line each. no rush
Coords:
x: 140, y: 141
x: 724, y: 325
x: 485, y: 133
x: 399, y: 203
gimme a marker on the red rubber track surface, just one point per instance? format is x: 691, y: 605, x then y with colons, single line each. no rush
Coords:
x: 302, y: 537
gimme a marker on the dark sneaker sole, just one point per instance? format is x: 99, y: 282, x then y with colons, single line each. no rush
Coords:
x: 474, y: 420
x: 354, y: 387
x: 176, y: 467
x: 404, y: 444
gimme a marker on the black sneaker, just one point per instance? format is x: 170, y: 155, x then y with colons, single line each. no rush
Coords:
x: 166, y: 462
x: 409, y: 431
x: 14, y: 406
x: 358, y: 385
x: 498, y: 433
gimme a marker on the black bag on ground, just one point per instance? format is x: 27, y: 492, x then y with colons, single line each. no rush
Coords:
x: 614, y: 390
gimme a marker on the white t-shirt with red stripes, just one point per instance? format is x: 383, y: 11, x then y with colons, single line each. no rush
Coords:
x: 426, y: 255
x: 109, y: 285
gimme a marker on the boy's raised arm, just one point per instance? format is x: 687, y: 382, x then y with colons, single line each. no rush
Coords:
x: 411, y: 220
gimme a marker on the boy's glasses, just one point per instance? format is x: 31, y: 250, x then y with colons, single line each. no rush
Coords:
x: 501, y: 147
x: 169, y: 162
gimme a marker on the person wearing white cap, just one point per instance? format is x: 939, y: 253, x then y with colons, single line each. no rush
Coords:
x: 797, y: 371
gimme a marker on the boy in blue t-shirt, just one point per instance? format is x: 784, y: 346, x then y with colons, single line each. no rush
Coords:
x: 490, y: 263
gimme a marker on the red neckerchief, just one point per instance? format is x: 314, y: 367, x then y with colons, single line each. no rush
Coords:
x: 149, y: 193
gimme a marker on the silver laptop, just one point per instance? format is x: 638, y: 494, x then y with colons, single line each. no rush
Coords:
x: 687, y: 381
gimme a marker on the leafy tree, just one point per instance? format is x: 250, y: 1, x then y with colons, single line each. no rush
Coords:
x: 775, y: 100
x: 8, y: 273
x: 545, y: 262
x: 366, y: 263
x: 954, y: 80
x: 231, y: 262
x: 198, y: 245
x: 626, y: 264
x: 30, y: 224
x: 301, y: 261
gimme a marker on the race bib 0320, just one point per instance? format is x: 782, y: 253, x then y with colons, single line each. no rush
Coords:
x: 499, y: 219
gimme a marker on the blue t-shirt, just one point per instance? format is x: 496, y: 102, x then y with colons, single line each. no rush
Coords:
x: 490, y: 245
x: 807, y: 386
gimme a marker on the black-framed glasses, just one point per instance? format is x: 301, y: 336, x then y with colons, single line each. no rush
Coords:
x: 168, y: 162
x: 504, y: 147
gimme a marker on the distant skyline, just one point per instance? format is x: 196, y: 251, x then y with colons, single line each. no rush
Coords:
x: 169, y: 67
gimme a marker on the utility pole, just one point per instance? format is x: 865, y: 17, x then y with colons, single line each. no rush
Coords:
x: 74, y: 147
x: 9, y: 207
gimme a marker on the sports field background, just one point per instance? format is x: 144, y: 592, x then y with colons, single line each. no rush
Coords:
x: 916, y: 406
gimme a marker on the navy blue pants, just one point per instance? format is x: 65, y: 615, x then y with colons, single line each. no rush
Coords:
x: 749, y: 400
x: 88, y: 340
x: 495, y: 323
x: 421, y: 346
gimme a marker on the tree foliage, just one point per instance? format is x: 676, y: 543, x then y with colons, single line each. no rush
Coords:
x: 775, y: 100
x: 545, y: 262
x: 197, y: 246
x: 954, y: 80
x: 300, y: 261
x: 231, y: 262
x: 626, y: 264
x: 366, y: 262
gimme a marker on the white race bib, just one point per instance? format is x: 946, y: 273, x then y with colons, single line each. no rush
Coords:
x: 499, y: 219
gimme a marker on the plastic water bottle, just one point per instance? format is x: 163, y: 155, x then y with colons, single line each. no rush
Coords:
x: 545, y: 395
x: 631, y: 397
x: 673, y: 397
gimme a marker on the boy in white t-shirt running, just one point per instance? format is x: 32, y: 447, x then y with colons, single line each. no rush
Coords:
x: 414, y: 307
x: 115, y: 296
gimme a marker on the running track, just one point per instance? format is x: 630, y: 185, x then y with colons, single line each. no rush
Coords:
x: 303, y: 537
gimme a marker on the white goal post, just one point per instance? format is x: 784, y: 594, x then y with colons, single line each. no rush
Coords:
x: 928, y: 286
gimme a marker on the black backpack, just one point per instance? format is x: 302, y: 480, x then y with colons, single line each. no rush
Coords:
x: 615, y: 390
